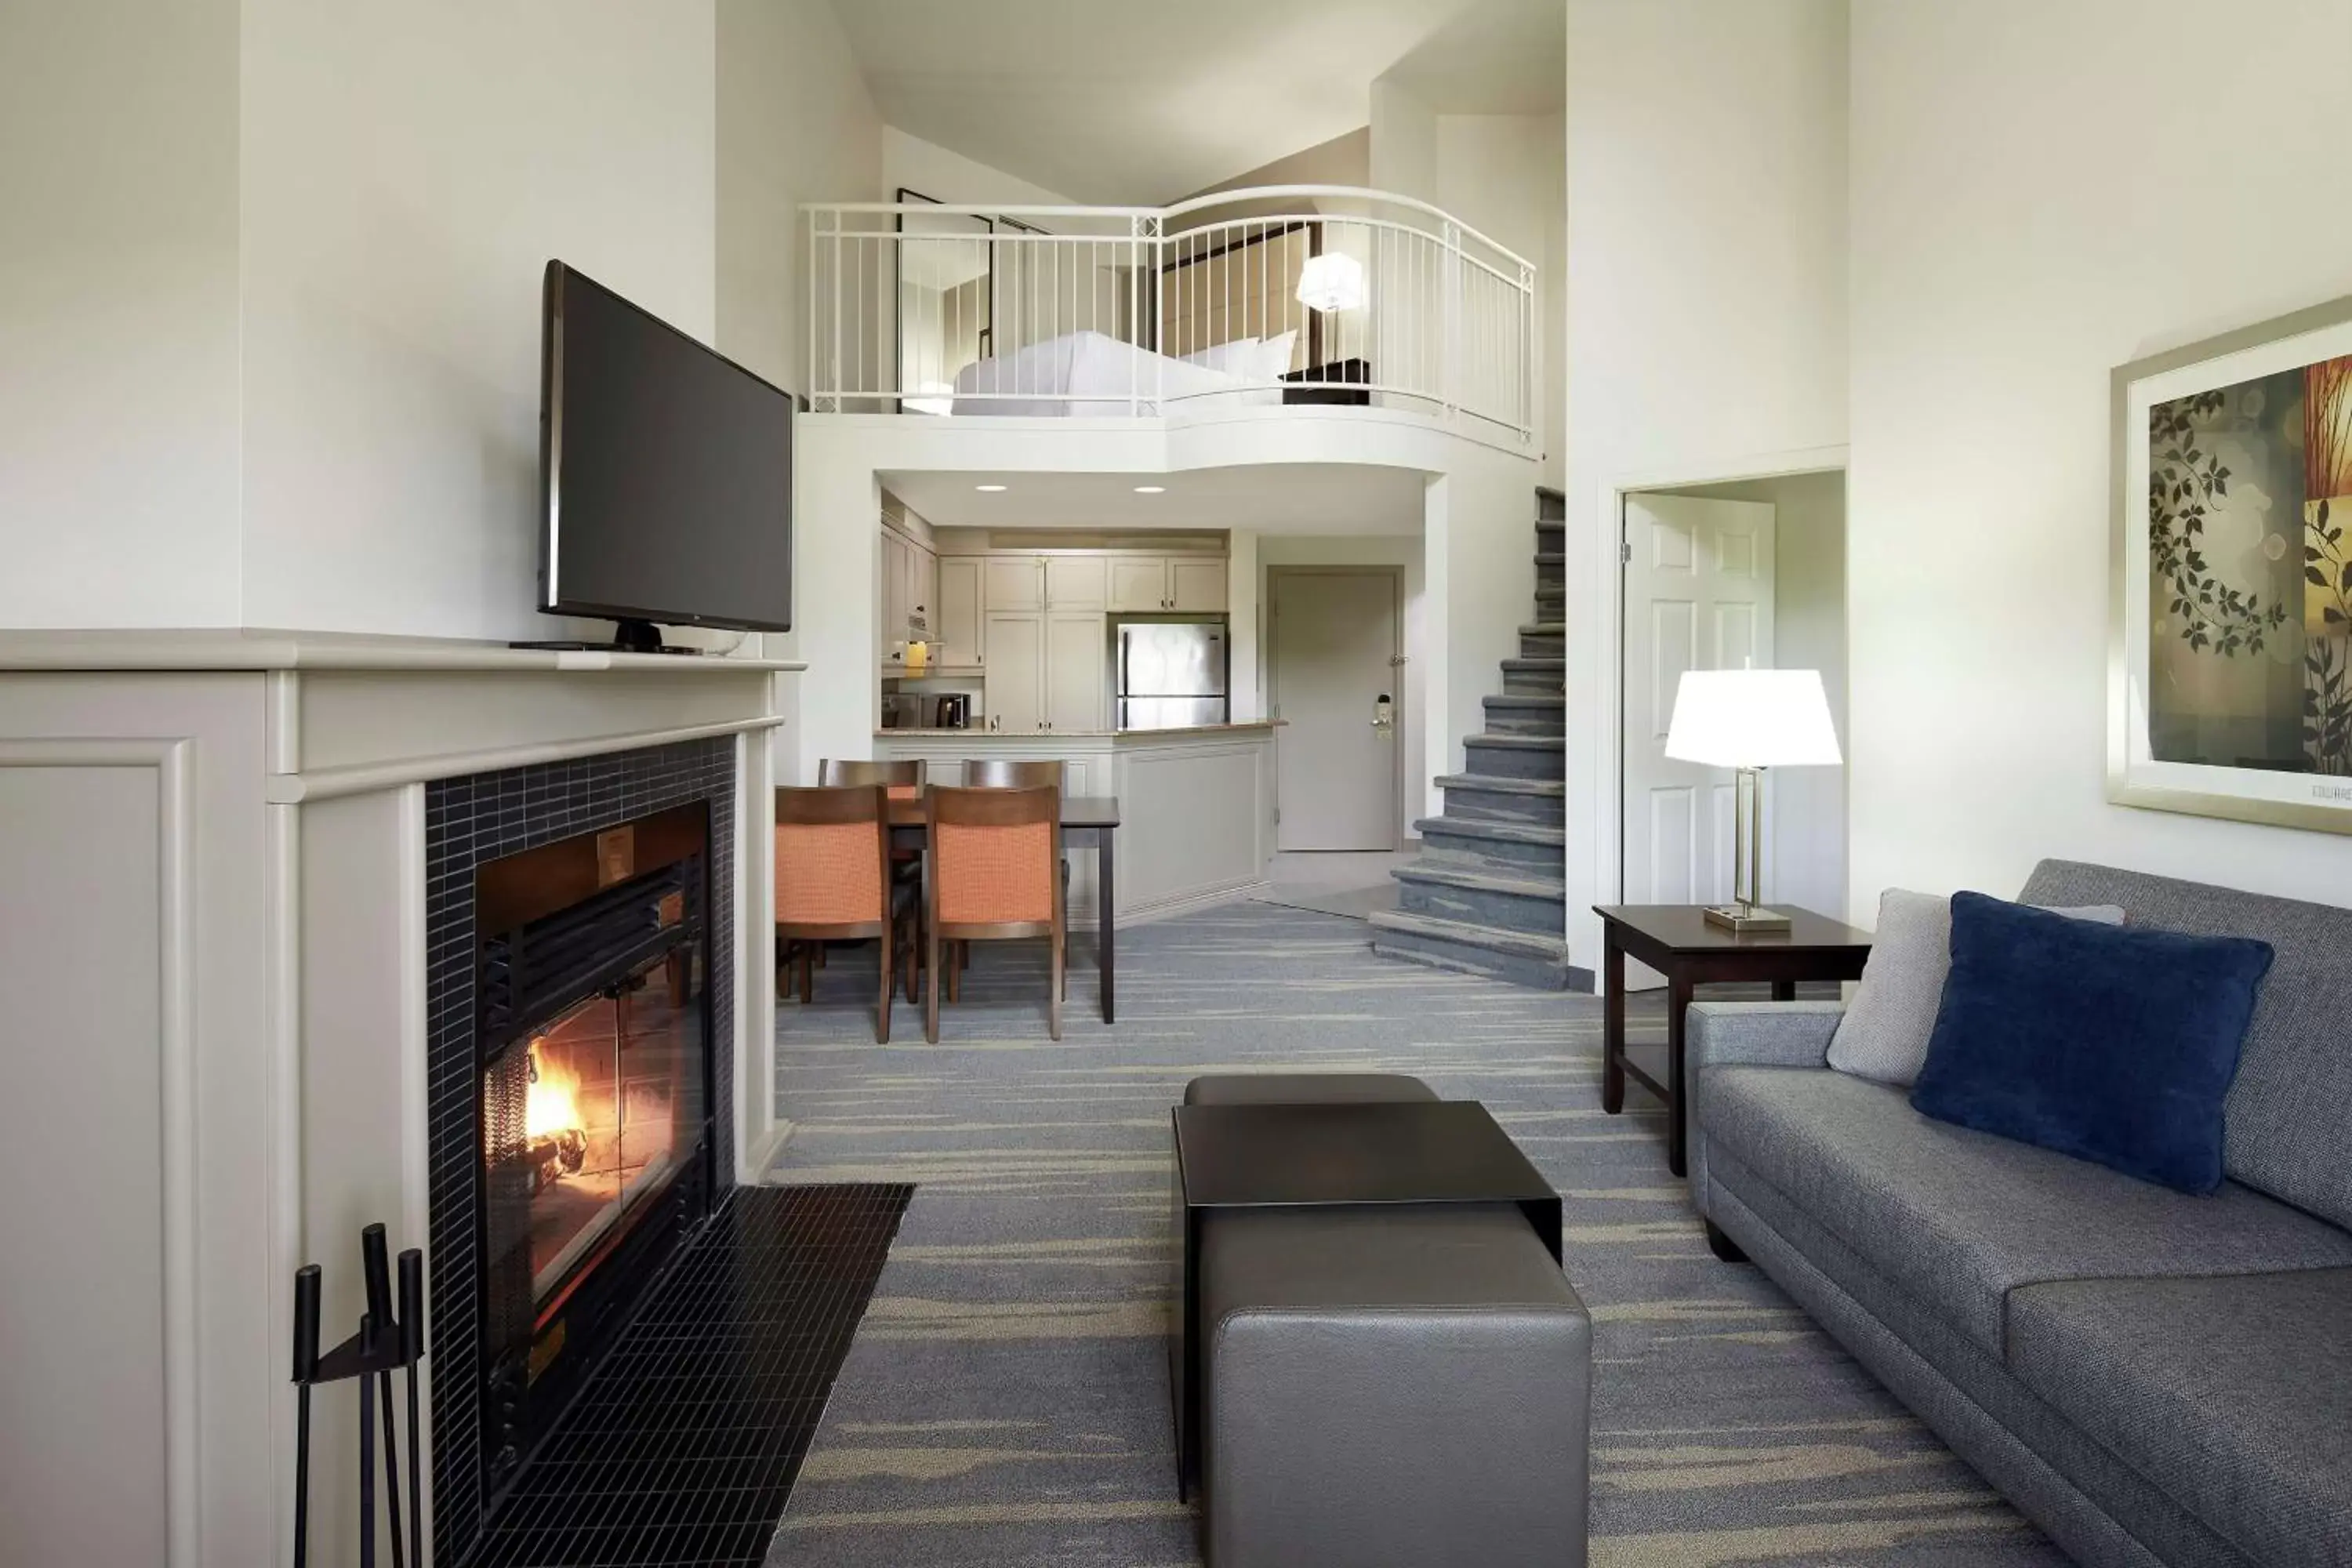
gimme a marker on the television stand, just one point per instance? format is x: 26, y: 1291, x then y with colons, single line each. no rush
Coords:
x: 629, y: 635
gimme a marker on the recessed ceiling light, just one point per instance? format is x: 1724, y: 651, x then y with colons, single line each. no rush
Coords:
x: 1151, y: 490
x: 992, y: 489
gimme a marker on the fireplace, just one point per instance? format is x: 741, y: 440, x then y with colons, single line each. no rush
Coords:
x: 593, y: 1029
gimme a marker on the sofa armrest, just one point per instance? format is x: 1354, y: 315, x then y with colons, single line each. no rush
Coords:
x: 1744, y: 1034
x: 1758, y: 1034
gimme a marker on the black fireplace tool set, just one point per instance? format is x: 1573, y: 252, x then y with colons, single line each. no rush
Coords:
x: 384, y: 1345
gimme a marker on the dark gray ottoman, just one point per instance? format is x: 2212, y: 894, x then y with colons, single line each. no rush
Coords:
x: 1387, y: 1388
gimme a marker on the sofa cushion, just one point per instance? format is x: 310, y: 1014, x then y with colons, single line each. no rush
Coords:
x: 2112, y: 1046
x: 1884, y: 1034
x: 2234, y: 1395
x: 1959, y: 1218
x: 2289, y: 1111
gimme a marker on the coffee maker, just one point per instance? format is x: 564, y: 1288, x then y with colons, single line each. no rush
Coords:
x: 954, y: 712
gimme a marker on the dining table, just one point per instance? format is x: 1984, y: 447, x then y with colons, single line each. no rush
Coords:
x: 1085, y: 819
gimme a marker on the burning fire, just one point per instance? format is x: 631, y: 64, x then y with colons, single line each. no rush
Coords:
x: 553, y: 1106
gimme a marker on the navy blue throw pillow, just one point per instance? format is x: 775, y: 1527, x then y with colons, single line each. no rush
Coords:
x: 2113, y: 1043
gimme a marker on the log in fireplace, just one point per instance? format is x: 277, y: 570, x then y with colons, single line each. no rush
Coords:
x: 593, y: 1025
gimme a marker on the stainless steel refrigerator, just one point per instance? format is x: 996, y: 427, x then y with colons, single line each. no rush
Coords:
x: 1172, y: 674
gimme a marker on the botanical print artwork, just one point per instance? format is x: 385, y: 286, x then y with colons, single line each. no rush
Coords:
x: 2250, y: 580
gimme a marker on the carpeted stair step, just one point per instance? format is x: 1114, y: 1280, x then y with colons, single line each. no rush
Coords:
x: 1513, y: 900
x: 1515, y: 756
x: 1544, y: 639
x: 1518, y: 957
x: 1535, y: 677
x: 1551, y: 506
x: 1483, y: 797
x: 1551, y: 569
x: 1522, y: 713
x: 1513, y: 847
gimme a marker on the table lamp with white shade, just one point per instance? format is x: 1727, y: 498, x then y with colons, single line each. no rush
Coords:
x: 1750, y: 719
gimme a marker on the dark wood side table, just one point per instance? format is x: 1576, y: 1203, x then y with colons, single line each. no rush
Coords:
x: 1675, y: 940
x: 1328, y: 1156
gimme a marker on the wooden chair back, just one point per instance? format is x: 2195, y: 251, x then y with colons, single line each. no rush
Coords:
x: 832, y: 861
x: 903, y: 778
x: 995, y: 859
x: 1004, y: 773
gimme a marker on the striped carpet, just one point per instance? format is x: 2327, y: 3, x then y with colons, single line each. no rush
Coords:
x: 1005, y: 1402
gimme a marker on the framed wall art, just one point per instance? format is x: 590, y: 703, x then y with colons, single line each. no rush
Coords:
x: 2231, y: 691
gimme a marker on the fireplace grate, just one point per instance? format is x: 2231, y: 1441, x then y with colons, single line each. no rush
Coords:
x: 534, y: 972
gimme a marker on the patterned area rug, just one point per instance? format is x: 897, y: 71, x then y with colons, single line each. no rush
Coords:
x: 1006, y: 1402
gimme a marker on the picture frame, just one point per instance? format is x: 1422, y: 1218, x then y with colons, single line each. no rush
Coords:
x: 2230, y: 681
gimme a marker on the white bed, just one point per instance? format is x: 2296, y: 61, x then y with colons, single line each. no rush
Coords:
x: 1093, y: 375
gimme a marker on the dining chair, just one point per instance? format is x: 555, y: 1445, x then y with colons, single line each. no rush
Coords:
x: 1006, y: 773
x: 904, y: 779
x: 990, y: 855
x: 834, y: 883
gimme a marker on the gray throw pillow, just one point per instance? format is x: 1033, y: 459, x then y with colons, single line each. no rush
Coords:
x: 1883, y: 1034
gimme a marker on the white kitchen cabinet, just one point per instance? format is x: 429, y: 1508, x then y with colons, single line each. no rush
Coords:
x: 1015, y: 583
x: 1076, y: 667
x: 897, y: 590
x: 1196, y: 586
x: 1138, y: 584
x: 959, y: 618
x: 924, y: 621
x: 1046, y: 672
x: 1013, y: 690
x: 1075, y: 582
x: 1155, y: 585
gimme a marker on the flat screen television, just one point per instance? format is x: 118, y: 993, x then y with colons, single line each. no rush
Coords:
x: 665, y: 471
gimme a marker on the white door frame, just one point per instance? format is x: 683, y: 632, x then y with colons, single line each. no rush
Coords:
x: 1273, y: 646
x: 1608, y: 609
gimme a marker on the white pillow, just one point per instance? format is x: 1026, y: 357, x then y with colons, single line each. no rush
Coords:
x: 1274, y: 361
x: 1883, y: 1034
x: 1238, y: 358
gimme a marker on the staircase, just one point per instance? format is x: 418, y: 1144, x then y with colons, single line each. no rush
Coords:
x: 1489, y: 894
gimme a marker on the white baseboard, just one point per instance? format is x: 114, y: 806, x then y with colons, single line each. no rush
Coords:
x: 1205, y: 899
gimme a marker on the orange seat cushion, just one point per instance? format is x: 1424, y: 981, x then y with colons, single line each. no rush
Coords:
x: 828, y: 873
x: 995, y: 875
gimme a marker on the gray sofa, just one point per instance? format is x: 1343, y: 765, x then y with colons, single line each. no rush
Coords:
x: 2152, y: 1378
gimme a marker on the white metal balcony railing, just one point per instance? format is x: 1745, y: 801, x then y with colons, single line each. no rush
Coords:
x: 1128, y: 312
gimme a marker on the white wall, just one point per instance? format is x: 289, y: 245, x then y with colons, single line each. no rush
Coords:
x: 402, y: 187
x: 2045, y: 189
x: 1403, y: 150
x: 118, y: 313
x: 915, y: 164
x: 1402, y: 551
x: 1706, y: 317
x: 794, y: 124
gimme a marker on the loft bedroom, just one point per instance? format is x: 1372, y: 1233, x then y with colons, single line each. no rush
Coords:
x: 1238, y: 304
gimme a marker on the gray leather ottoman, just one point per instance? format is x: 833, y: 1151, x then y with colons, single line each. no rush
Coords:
x: 1387, y: 1388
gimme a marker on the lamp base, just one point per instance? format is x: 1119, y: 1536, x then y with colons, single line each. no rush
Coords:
x: 1748, y: 920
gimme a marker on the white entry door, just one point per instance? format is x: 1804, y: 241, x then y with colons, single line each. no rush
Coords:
x: 1698, y: 595
x: 1336, y: 637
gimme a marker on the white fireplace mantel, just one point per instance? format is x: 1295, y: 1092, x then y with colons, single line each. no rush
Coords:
x: 213, y: 881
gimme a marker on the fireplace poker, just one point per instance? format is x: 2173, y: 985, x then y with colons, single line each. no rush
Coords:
x: 306, y: 1370
x: 367, y: 1451
x: 412, y: 1351
x: 375, y: 1261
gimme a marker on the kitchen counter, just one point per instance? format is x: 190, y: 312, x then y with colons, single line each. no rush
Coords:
x: 1196, y: 805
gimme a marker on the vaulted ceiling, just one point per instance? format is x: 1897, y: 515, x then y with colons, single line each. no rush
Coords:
x: 1144, y: 101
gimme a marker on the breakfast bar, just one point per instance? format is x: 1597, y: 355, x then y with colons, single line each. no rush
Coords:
x: 1195, y: 806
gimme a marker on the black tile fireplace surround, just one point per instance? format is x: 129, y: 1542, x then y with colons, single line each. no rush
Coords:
x: 613, y: 994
